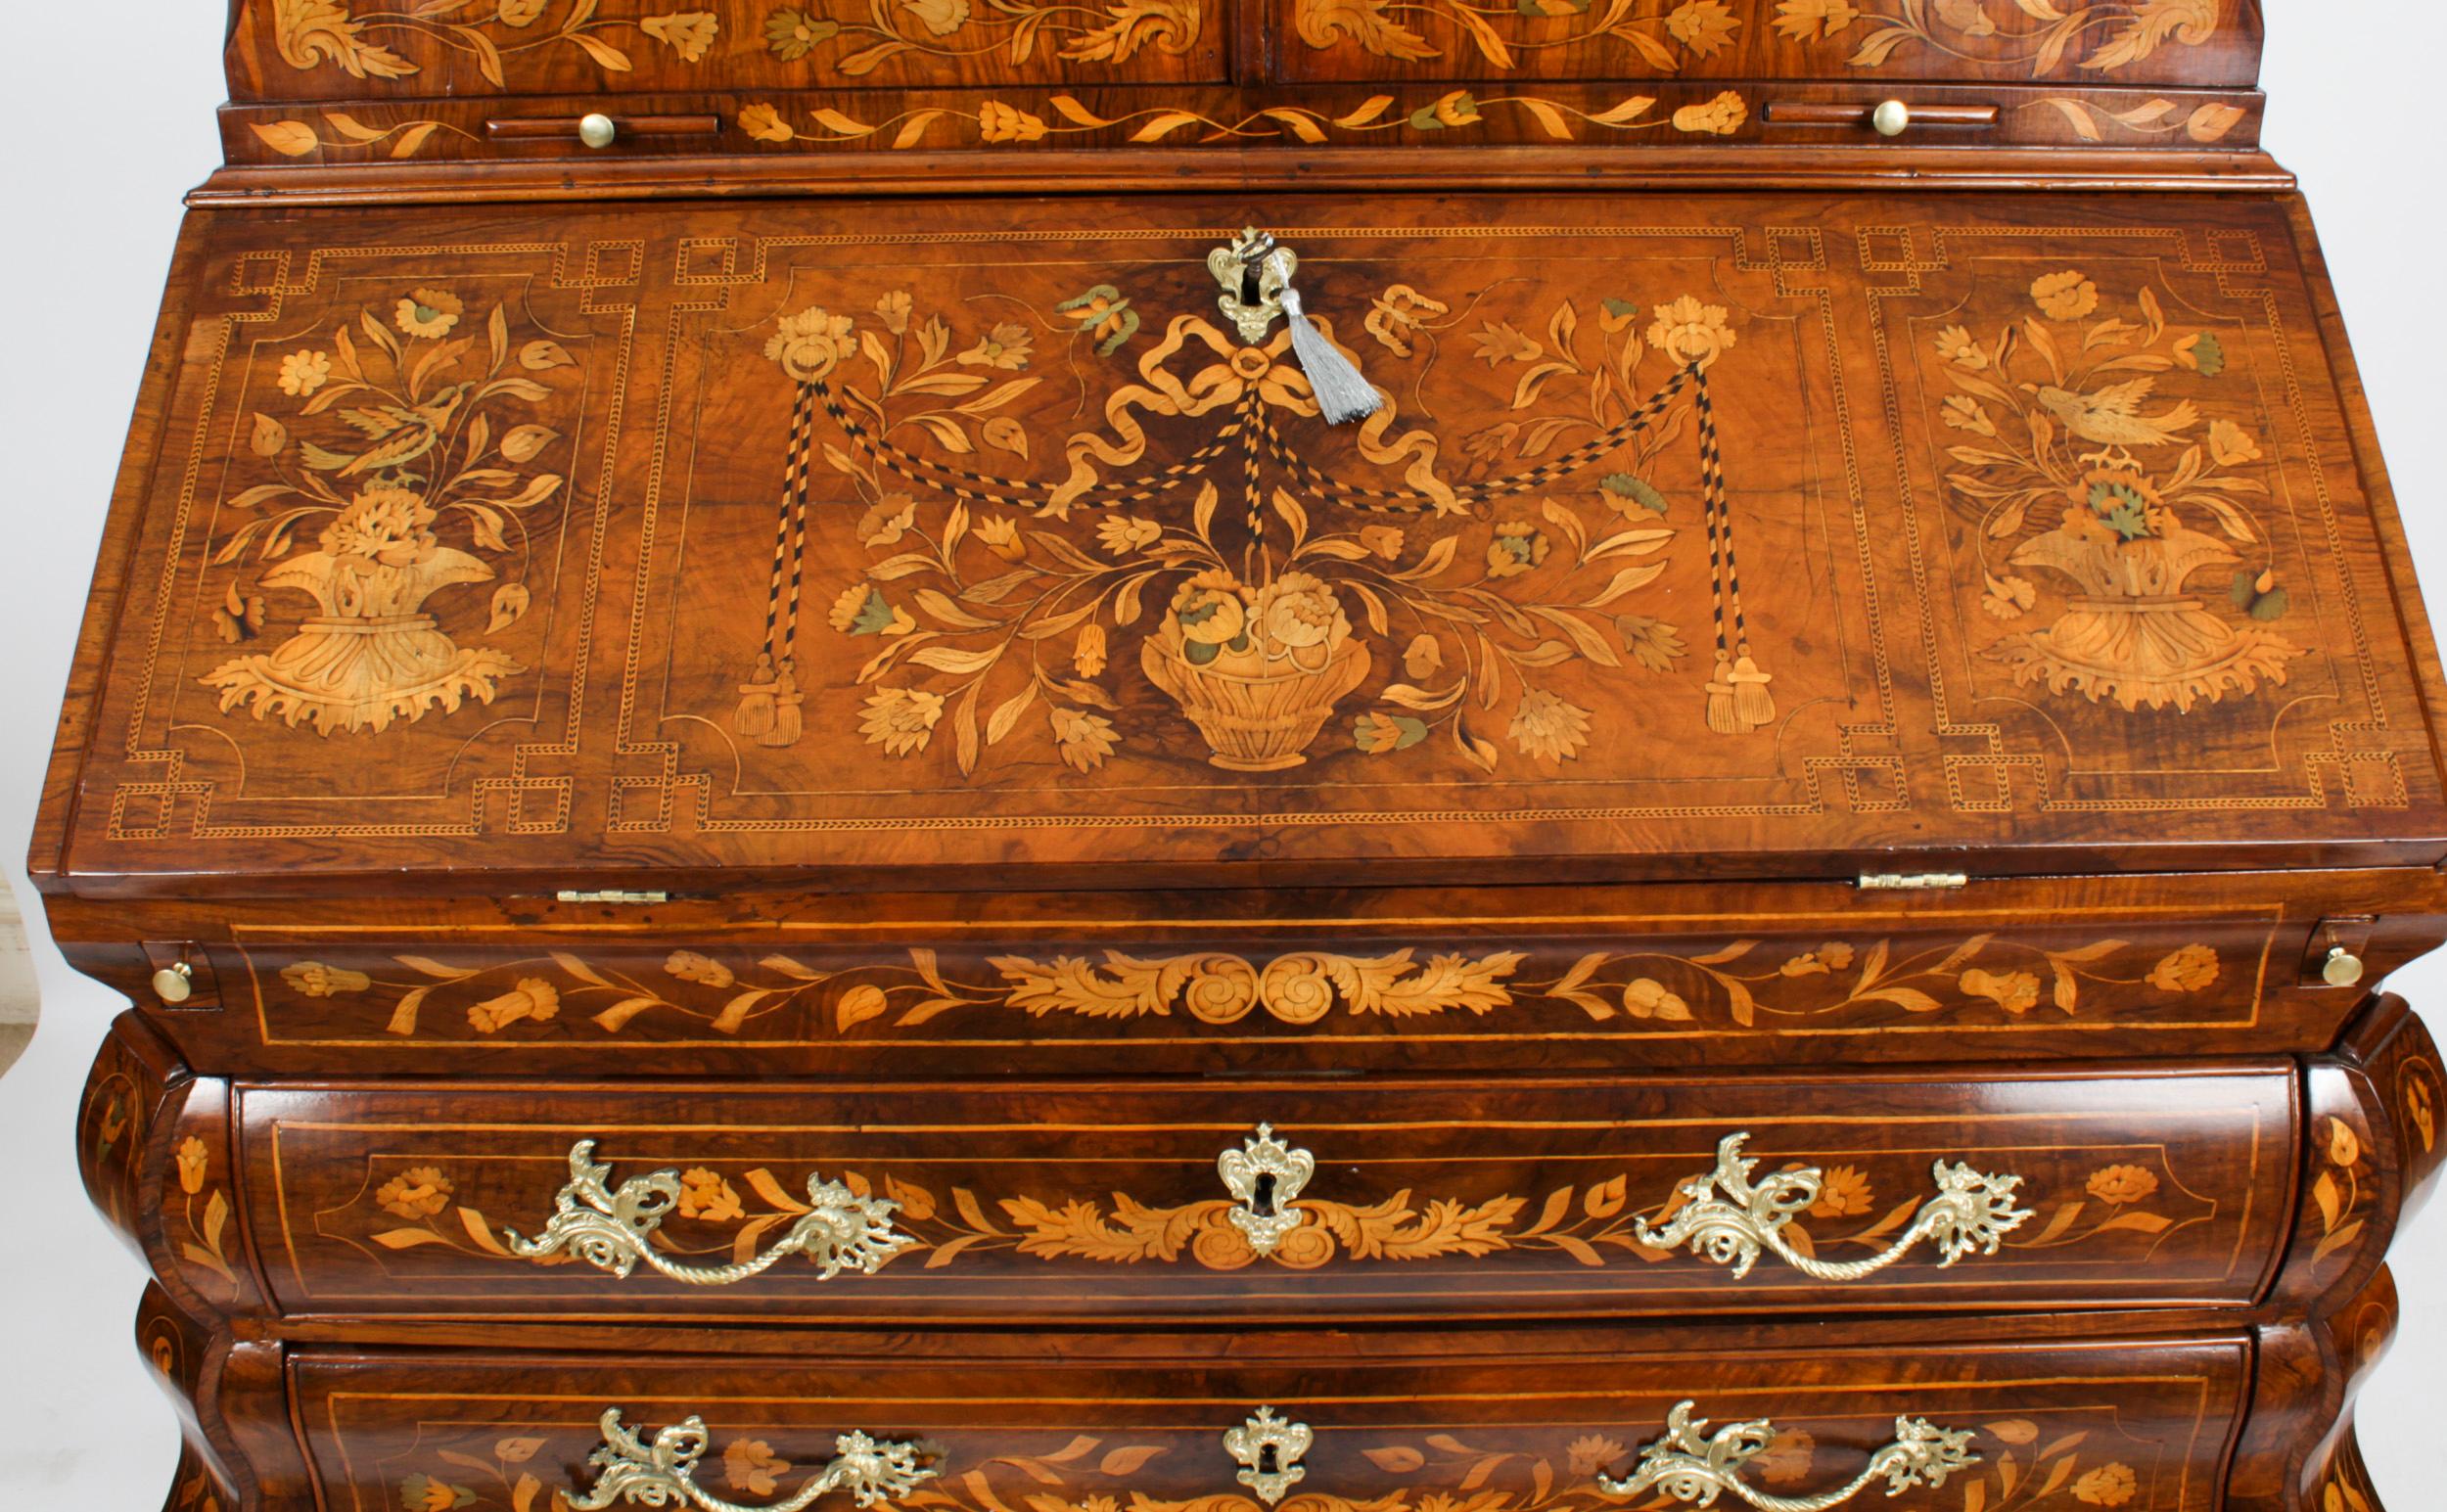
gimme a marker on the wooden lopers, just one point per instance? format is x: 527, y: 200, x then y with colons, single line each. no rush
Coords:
x: 786, y: 829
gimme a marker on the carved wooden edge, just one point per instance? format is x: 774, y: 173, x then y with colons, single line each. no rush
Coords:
x: 108, y: 596
x: 2373, y: 1151
x: 2386, y: 517
x: 157, y: 1148
x: 239, y: 1454
x: 155, y: 1145
x: 2102, y: 170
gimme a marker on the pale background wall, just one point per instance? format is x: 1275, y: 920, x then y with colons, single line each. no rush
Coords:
x: 110, y: 108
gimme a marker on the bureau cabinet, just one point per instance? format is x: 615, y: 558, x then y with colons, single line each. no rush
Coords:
x: 1254, y: 755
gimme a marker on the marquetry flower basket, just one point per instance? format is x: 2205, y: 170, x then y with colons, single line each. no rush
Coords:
x: 1260, y: 724
x: 1259, y: 693
x: 2134, y: 636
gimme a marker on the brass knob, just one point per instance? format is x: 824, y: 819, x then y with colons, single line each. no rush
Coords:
x: 598, y: 131
x: 1892, y: 119
x: 2341, y: 969
x: 174, y: 983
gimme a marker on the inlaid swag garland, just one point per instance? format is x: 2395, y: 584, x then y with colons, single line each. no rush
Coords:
x: 726, y: 1214
x: 1265, y: 617
x: 1729, y: 988
x: 2024, y: 1468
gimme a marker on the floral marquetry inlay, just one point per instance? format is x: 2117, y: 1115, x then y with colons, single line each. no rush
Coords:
x: 947, y: 546
x: 2005, y: 39
x: 1420, y: 596
x: 532, y: 45
x: 2119, y: 487
x: 406, y: 460
x: 2023, y: 1465
x: 1840, y: 1224
x: 1740, y: 985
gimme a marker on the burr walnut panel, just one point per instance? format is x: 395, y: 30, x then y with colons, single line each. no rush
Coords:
x: 1389, y: 1424
x: 998, y: 1203
x: 774, y: 537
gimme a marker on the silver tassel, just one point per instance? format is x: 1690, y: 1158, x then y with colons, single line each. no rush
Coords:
x: 1343, y: 393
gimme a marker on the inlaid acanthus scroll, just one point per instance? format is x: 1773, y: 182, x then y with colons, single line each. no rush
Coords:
x: 1692, y: 1465
x: 613, y: 1228
x: 662, y: 1471
x: 1732, y: 1219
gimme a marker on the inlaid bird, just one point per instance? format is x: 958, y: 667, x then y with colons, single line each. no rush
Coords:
x: 397, y: 435
x: 2111, y: 417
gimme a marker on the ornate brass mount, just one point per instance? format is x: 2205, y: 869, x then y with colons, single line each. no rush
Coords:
x: 1254, y: 272
x: 1268, y: 1449
x: 1264, y: 1176
x: 611, y: 1228
x: 664, y: 1471
x: 1691, y: 1464
x: 1729, y: 1219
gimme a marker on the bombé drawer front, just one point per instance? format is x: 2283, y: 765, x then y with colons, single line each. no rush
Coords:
x: 1333, y: 1424
x: 1281, y: 1199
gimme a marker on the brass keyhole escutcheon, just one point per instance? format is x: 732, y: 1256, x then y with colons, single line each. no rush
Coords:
x: 1262, y: 1200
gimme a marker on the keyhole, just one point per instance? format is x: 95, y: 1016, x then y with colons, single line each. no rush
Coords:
x: 1250, y: 292
x: 1268, y: 1463
x: 1262, y: 1200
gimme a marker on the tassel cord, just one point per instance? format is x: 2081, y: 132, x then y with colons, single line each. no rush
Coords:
x: 1721, y: 526
x: 977, y: 487
x: 793, y: 510
x: 1466, y: 495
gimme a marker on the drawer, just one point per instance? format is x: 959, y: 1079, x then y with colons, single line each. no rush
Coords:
x: 1325, y: 1424
x: 1291, y: 1198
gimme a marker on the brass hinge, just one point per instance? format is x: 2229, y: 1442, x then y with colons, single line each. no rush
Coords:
x: 1902, y: 882
x: 628, y: 899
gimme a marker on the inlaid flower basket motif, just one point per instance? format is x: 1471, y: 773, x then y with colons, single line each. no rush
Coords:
x: 407, y: 432
x: 2119, y: 506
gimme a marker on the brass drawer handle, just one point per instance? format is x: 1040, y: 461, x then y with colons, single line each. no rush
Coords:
x: 610, y: 1229
x: 1691, y: 1464
x: 664, y: 1471
x: 1729, y: 1219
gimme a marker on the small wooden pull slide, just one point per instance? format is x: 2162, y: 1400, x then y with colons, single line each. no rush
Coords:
x: 1889, y: 118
